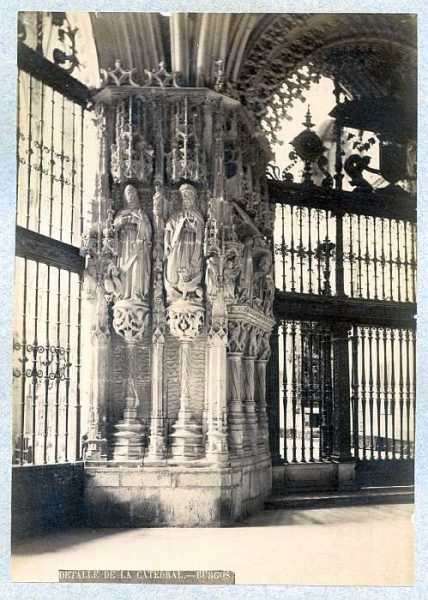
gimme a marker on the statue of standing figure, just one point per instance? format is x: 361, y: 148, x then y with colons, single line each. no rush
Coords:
x: 134, y: 253
x: 184, y: 233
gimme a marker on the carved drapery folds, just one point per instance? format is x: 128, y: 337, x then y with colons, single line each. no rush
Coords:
x: 182, y: 244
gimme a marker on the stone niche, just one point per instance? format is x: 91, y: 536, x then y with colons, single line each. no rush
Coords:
x: 179, y: 286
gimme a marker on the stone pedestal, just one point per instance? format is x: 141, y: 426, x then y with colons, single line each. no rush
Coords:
x: 175, y: 496
x: 129, y: 437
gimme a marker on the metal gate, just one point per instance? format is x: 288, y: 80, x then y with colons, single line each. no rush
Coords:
x: 342, y: 378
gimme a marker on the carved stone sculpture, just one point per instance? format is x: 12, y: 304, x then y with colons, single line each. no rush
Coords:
x: 183, y: 249
x: 134, y: 257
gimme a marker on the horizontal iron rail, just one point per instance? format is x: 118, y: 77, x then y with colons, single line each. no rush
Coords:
x: 38, y: 247
x: 356, y: 311
x: 393, y: 203
x: 52, y: 75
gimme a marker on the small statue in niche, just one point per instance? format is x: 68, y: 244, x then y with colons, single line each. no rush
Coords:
x: 246, y: 277
x: 230, y: 273
x: 135, y: 240
x: 184, y: 233
x: 264, y: 284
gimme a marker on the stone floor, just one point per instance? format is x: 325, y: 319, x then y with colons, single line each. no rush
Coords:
x: 362, y: 545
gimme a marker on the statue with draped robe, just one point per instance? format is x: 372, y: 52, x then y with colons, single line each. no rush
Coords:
x: 135, y: 240
x: 183, y: 241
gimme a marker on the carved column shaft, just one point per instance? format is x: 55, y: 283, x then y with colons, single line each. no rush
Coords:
x: 236, y: 416
x: 250, y: 440
x: 157, y: 429
x: 216, y: 406
x: 261, y: 407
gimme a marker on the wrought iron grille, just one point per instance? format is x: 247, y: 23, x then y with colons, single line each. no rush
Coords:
x: 46, y: 363
x: 51, y: 129
x: 383, y: 385
x: 305, y: 352
x: 379, y: 254
x: 50, y: 161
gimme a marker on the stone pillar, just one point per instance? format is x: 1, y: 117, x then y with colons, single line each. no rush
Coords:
x: 237, y: 335
x: 129, y: 322
x: 157, y: 430
x: 249, y: 408
x: 272, y: 398
x: 260, y: 387
x: 216, y: 447
x: 185, y: 321
x: 95, y: 445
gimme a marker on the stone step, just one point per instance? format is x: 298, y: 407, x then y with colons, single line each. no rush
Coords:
x: 369, y: 495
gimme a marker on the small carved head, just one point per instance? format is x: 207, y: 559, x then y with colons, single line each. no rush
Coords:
x: 131, y: 197
x: 189, y: 195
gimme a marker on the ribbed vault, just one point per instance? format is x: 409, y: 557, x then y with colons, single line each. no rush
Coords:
x: 255, y: 54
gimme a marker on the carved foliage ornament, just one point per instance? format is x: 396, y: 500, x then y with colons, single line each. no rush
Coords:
x: 185, y: 320
x: 130, y: 319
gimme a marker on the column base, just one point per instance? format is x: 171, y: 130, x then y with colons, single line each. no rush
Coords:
x: 129, y: 437
x: 186, y: 438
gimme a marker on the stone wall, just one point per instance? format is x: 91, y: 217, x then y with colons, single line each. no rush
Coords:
x: 46, y: 497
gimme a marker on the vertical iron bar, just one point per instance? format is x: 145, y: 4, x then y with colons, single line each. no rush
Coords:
x: 284, y: 385
x: 383, y: 257
x: 385, y: 387
x: 311, y: 392
x: 318, y: 251
x: 392, y: 386
x: 29, y: 151
x: 401, y: 389
x: 398, y: 260
x: 302, y: 388
x: 292, y: 249
x: 351, y: 255
x: 283, y: 246
x: 378, y: 393
x: 310, y: 249
x: 359, y: 258
x: 67, y: 377
x: 62, y: 176
x: 47, y: 367
x: 328, y: 397
x: 52, y: 163
x: 413, y: 259
x: 391, y: 261
x: 354, y: 388
x: 78, y: 366
x: 294, y: 387
x: 34, y: 370
x: 18, y: 143
x: 363, y: 387
x: 320, y: 390
x: 73, y: 168
x: 82, y: 121
x: 300, y: 246
x: 327, y: 255
x: 340, y: 287
x: 57, y: 356
x: 24, y: 360
x: 367, y: 257
x: 406, y: 263
x: 41, y: 142
x: 375, y: 259
x: 408, y: 391
x: 371, y: 400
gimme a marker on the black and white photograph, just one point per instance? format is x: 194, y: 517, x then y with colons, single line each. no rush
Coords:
x: 215, y: 298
